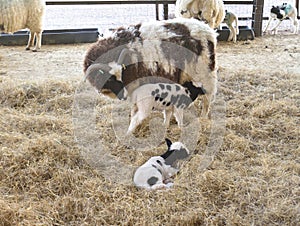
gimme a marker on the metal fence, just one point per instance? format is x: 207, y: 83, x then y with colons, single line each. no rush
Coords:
x: 111, y: 14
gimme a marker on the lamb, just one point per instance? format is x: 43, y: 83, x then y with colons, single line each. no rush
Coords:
x: 20, y: 14
x: 229, y: 19
x: 179, y: 50
x: 170, y: 98
x: 211, y: 11
x: 158, y: 171
x: 282, y: 12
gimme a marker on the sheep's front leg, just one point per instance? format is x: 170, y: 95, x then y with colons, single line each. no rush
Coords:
x: 137, y: 119
x: 275, y: 28
x: 268, y: 25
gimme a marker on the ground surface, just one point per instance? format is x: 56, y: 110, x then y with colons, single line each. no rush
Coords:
x: 46, y: 178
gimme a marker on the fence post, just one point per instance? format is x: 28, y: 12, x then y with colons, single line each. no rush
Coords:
x: 157, y: 11
x: 297, y: 7
x: 257, y: 17
x: 166, y: 11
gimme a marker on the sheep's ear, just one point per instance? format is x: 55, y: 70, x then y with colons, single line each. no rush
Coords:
x: 169, y: 143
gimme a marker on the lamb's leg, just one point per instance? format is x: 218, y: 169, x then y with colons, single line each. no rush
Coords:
x: 167, y: 117
x: 236, y: 30
x: 236, y: 26
x: 134, y: 110
x: 232, y: 34
x: 137, y: 118
x: 160, y: 186
x: 295, y: 24
x: 30, y: 40
x: 206, y: 101
x: 275, y: 28
x: 178, y: 113
x: 268, y: 25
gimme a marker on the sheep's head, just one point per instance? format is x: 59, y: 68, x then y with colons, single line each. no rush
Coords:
x: 176, y: 152
x: 104, y: 78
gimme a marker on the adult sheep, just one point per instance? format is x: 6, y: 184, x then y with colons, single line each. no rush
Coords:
x: 211, y: 11
x: 20, y: 14
x: 178, y: 50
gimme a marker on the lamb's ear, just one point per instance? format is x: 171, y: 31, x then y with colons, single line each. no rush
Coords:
x: 169, y: 143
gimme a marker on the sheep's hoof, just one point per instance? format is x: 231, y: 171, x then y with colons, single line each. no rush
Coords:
x: 27, y: 48
x: 34, y: 50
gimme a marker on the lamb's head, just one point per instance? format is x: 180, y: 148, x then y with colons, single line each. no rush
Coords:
x: 278, y: 12
x: 195, y: 89
x: 105, y: 79
x: 176, y: 152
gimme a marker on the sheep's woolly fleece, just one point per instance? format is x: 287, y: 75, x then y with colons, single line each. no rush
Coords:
x: 253, y: 180
x: 20, y: 14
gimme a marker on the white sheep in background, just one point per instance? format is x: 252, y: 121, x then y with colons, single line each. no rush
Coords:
x: 282, y: 12
x: 20, y: 14
x: 211, y: 11
x: 158, y: 171
x: 170, y: 98
x: 231, y: 20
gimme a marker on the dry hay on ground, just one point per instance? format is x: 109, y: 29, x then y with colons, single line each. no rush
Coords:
x: 254, y: 178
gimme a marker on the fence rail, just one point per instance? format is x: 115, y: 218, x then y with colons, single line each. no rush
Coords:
x: 133, y: 2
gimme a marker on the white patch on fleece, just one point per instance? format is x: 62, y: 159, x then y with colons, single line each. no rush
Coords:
x: 116, y: 69
x: 153, y: 56
x: 154, y: 32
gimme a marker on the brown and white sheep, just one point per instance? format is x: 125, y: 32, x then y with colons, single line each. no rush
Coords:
x: 179, y: 50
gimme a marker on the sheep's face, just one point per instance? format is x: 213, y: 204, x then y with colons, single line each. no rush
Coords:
x: 114, y: 88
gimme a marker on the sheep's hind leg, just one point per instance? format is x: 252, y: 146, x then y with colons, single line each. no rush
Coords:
x: 295, y: 24
x: 30, y: 40
x: 167, y: 117
x: 38, y: 43
x: 178, y: 113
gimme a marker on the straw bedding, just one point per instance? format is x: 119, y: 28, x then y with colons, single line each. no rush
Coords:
x: 252, y: 180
